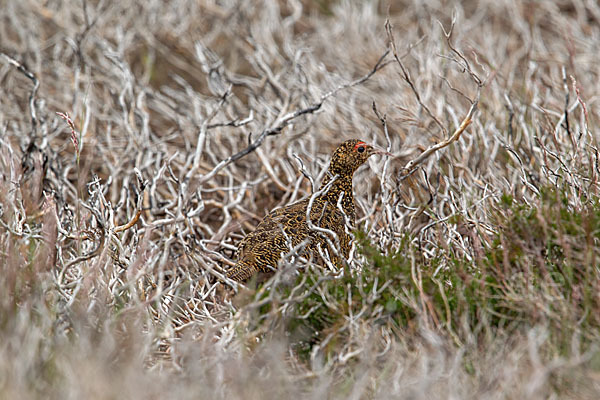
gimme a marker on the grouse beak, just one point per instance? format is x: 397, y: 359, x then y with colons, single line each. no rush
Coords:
x: 380, y: 151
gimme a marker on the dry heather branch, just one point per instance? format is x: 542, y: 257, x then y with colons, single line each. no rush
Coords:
x: 285, y: 120
x: 170, y: 91
x: 406, y: 77
x: 410, y: 167
x: 36, y: 84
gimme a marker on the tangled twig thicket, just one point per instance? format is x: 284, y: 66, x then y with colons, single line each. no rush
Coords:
x: 140, y: 141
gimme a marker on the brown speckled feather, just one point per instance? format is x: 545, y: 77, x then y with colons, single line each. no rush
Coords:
x: 286, y: 227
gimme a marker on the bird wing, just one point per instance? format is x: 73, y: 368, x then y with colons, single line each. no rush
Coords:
x: 262, y: 248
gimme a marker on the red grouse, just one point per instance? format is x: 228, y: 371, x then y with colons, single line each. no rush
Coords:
x: 287, y: 227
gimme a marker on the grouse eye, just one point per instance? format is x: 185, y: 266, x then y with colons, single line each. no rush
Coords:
x: 361, y: 149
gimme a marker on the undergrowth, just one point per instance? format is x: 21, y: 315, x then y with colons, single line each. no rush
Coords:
x: 539, y: 270
x: 141, y: 140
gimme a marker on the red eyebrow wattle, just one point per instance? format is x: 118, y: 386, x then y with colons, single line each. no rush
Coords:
x: 357, y: 145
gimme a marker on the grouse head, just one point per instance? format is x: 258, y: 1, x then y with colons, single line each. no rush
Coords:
x: 350, y: 155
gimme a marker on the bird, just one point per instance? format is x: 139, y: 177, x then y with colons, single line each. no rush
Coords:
x: 331, y: 210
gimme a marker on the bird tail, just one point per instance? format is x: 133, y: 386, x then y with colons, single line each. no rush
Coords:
x: 241, y: 271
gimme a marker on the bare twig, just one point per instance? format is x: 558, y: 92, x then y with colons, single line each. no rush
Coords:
x: 36, y: 84
x: 407, y: 78
x: 281, y: 123
x: 410, y: 167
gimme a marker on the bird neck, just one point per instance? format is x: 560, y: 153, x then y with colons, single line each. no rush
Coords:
x: 342, y: 184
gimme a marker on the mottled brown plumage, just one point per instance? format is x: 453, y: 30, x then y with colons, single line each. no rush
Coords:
x: 287, y: 227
